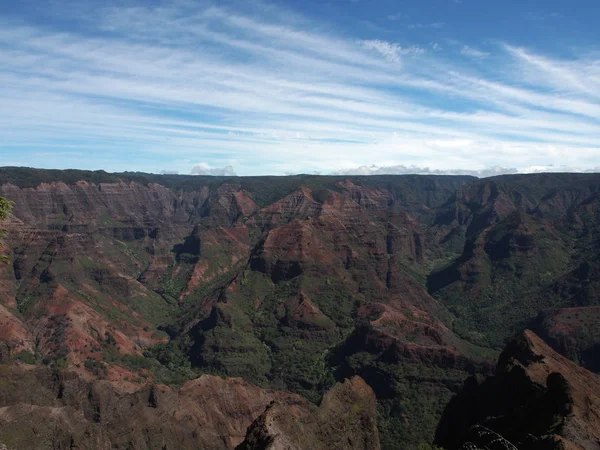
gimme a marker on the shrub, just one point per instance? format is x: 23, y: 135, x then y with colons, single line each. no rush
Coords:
x: 26, y: 357
x: 96, y: 367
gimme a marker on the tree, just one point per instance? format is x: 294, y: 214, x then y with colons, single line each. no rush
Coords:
x: 5, y: 209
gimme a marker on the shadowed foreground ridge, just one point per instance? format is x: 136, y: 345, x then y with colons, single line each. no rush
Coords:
x: 537, y: 400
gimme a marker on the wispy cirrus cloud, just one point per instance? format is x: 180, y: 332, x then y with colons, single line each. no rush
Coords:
x: 473, y: 52
x: 169, y: 85
x: 391, y: 51
x: 434, y: 25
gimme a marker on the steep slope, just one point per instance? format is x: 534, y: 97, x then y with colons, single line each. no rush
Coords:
x: 96, y: 268
x: 573, y: 332
x: 537, y: 399
x: 520, y: 241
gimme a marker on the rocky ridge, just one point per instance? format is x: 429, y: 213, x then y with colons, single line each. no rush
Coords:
x: 344, y: 420
x: 538, y: 399
x: 64, y: 411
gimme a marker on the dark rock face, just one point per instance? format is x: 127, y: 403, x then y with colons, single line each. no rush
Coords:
x: 537, y: 400
x: 481, y: 438
x: 573, y: 332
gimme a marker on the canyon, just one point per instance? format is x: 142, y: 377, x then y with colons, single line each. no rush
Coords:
x: 228, y: 302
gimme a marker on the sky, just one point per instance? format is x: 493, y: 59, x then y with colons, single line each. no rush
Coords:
x: 282, y: 87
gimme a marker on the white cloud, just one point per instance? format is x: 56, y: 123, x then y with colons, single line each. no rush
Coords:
x: 391, y: 51
x: 473, y: 52
x: 481, y: 173
x: 416, y: 170
x: 205, y: 169
x: 559, y: 168
x: 435, y: 25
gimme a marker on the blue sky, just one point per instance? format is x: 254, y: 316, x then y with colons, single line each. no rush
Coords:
x: 259, y: 87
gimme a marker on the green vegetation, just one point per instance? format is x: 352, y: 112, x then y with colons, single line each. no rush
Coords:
x: 26, y: 177
x: 5, y: 209
x: 98, y: 368
x: 26, y: 356
x: 108, y: 285
x: 512, y: 276
x: 164, y: 363
x: 410, y: 397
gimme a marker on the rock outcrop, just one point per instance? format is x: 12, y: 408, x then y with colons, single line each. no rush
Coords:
x: 345, y: 420
x: 537, y: 400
